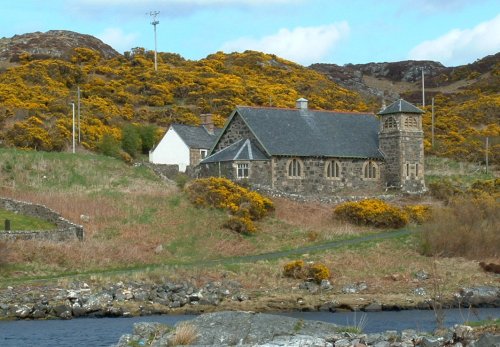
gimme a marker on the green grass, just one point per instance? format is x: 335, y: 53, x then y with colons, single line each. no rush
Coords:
x: 23, y: 222
x: 492, y: 322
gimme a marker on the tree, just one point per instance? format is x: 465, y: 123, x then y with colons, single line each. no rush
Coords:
x: 131, y: 140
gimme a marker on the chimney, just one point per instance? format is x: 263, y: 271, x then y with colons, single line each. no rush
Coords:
x: 207, y: 122
x: 301, y: 104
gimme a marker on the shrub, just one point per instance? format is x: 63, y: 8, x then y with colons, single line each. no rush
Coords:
x: 109, y: 146
x: 225, y: 194
x: 467, y: 227
x: 299, y: 270
x: 418, y: 213
x: 131, y: 140
x: 294, y: 269
x: 318, y: 272
x: 372, y: 212
x: 242, y: 225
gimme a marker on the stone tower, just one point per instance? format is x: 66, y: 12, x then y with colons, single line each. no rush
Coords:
x: 401, y: 141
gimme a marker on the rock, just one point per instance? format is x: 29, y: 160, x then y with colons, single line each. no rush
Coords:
x: 159, y: 249
x: 421, y: 275
x: 325, y: 285
x: 430, y: 342
x: 62, y: 311
x: 354, y: 288
x: 373, y: 307
x: 485, y: 296
x: 462, y: 332
x: 39, y: 314
x: 311, y: 287
x: 97, y: 302
x: 23, y: 311
x: 488, y: 340
x: 420, y: 291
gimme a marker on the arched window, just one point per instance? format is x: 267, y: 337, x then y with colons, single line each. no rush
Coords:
x: 390, y: 123
x: 411, y: 122
x: 295, y: 168
x: 370, y: 170
x: 333, y: 169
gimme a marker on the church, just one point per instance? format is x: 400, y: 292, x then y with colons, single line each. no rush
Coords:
x: 316, y: 152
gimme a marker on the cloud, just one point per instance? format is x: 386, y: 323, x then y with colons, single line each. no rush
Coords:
x: 433, y: 6
x: 459, y: 47
x: 117, y: 39
x: 304, y: 45
x: 168, y: 8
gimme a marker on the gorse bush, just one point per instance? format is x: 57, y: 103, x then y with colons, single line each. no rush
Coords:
x: 299, y: 270
x: 245, y: 205
x: 418, y: 213
x: 373, y: 212
x: 448, y: 189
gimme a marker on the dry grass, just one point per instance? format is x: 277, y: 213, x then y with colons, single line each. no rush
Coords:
x: 468, y: 227
x: 316, y: 219
x: 185, y: 334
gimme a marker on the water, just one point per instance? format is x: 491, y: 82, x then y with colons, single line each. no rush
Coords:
x: 107, y: 331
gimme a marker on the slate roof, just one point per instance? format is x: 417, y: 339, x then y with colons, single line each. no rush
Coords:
x: 294, y: 132
x: 400, y: 106
x: 243, y: 149
x: 196, y: 136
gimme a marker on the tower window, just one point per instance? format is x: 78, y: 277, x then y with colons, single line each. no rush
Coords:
x: 411, y: 122
x: 370, y: 170
x: 333, y: 169
x: 390, y: 123
x: 295, y: 168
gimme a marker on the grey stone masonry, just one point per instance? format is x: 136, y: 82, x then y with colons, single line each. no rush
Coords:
x: 65, y: 230
x: 235, y: 131
x: 401, y: 142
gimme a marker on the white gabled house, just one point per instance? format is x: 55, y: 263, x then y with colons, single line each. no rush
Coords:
x: 185, y: 145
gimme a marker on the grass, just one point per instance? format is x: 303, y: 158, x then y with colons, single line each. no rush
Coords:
x: 23, y: 222
x: 131, y: 212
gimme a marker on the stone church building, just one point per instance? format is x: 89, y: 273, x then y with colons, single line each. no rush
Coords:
x: 305, y: 151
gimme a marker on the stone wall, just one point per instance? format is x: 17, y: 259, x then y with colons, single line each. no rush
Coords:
x: 194, y: 156
x: 314, y: 180
x: 169, y: 171
x: 65, y: 230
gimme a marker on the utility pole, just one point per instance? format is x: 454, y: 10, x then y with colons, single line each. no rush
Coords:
x: 432, y: 124
x: 78, y: 97
x: 423, y: 88
x: 73, y: 133
x: 487, y: 150
x: 155, y: 22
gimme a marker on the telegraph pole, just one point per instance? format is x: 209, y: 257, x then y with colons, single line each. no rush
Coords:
x: 73, y: 133
x: 432, y: 124
x: 155, y: 22
x: 423, y: 88
x: 78, y: 97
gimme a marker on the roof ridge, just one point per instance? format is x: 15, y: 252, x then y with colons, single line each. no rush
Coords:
x: 311, y: 110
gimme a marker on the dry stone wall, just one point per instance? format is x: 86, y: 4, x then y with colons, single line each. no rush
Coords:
x: 65, y: 230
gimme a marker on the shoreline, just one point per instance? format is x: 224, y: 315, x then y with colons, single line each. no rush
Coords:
x: 134, y: 299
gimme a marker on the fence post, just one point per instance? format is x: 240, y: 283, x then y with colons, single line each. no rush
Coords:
x: 7, y: 224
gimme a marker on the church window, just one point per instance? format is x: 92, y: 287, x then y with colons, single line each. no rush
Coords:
x: 295, y: 168
x: 333, y: 169
x: 242, y: 170
x: 370, y: 170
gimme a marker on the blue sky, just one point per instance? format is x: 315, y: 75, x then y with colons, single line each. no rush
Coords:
x: 454, y: 32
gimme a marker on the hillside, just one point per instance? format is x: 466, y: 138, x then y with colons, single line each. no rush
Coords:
x: 38, y: 81
x: 467, y: 99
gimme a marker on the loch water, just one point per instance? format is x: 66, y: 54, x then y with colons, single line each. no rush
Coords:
x: 107, y: 331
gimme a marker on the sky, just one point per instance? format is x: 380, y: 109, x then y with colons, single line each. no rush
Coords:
x: 453, y: 32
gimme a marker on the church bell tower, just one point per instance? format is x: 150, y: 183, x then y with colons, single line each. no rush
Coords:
x: 401, y: 141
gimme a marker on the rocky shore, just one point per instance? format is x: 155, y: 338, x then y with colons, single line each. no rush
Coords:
x: 266, y: 330
x: 136, y: 298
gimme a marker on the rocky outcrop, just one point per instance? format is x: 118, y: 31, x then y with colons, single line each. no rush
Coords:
x: 51, y: 44
x: 265, y: 330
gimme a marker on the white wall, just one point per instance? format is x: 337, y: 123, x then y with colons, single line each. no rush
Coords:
x: 171, y: 150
